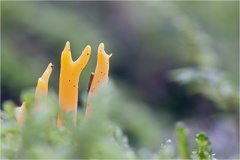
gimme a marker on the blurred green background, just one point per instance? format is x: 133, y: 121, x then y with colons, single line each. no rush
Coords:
x: 180, y: 59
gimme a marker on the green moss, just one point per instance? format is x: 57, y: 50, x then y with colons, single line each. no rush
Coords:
x: 106, y: 134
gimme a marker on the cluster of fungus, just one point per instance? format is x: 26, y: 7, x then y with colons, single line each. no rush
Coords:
x: 68, y: 82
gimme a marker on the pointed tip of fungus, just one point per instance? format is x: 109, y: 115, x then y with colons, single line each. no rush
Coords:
x: 101, y: 50
x: 46, y: 74
x: 67, y: 46
x: 101, y: 47
x: 87, y: 49
x: 50, y: 65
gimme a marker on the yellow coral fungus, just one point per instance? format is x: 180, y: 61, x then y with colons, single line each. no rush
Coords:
x: 100, y: 76
x: 41, y: 92
x: 69, y: 78
x: 68, y: 82
x: 42, y: 85
x: 19, y: 113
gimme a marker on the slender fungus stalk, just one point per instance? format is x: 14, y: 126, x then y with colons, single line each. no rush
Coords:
x: 100, y: 77
x: 69, y: 78
x: 42, y: 85
x: 41, y: 92
x: 20, y: 111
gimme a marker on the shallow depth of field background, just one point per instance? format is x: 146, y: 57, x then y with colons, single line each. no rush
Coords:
x: 178, y: 59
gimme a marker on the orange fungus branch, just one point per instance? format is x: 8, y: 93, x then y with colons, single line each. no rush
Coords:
x: 69, y: 78
x: 100, y: 77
